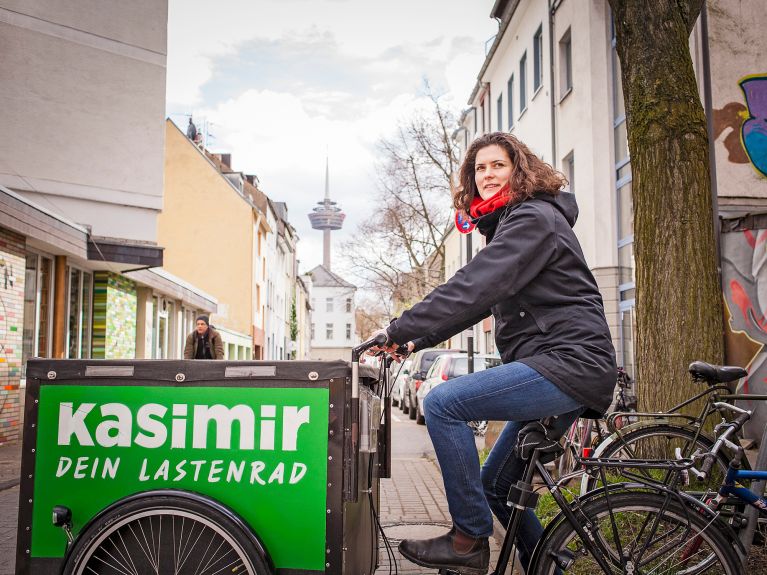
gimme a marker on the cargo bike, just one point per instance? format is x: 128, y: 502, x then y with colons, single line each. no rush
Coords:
x: 202, y: 467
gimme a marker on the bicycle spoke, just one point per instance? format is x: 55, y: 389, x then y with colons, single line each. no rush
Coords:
x: 165, y: 542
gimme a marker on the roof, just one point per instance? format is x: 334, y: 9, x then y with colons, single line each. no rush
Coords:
x: 503, y: 11
x: 323, y: 277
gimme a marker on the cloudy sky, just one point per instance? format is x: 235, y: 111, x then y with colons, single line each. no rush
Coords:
x: 280, y: 82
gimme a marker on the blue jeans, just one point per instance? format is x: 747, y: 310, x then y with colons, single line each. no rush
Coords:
x: 511, y: 392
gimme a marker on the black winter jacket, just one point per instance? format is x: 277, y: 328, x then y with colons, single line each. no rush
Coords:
x: 548, y: 311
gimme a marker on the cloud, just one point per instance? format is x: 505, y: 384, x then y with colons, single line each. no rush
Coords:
x: 282, y: 82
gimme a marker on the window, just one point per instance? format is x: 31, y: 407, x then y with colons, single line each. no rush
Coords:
x: 475, y: 119
x: 625, y: 217
x: 348, y: 331
x: 79, y: 316
x: 500, y: 112
x: 522, y: 83
x: 328, y: 331
x: 160, y: 327
x: 538, y: 59
x: 565, y: 64
x: 510, y: 100
x: 568, y: 166
x: 329, y: 304
x: 348, y: 305
x: 38, y: 308
x: 312, y: 330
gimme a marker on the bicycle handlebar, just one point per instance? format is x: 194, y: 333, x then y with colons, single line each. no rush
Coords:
x: 378, y: 340
x: 733, y: 427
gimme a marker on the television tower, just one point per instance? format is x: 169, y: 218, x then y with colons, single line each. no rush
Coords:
x: 327, y: 216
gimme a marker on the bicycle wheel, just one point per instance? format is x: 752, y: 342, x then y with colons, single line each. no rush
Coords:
x: 165, y: 535
x: 658, y: 442
x: 676, y: 540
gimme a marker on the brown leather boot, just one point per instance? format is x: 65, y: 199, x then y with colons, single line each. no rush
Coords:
x: 444, y: 552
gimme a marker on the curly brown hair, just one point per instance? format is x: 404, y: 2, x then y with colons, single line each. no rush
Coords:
x: 529, y: 173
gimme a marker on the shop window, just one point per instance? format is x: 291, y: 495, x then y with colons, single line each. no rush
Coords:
x: 79, y: 314
x: 38, y: 307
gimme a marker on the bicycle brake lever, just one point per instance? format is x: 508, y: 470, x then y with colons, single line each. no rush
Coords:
x: 701, y: 475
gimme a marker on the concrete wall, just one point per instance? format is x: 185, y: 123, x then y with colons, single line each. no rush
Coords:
x: 206, y: 229
x: 83, y: 91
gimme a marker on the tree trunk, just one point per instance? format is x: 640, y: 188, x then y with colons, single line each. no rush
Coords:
x: 679, y: 297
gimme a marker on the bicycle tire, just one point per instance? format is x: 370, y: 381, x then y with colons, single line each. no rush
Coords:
x: 615, y: 447
x: 678, y: 526
x: 197, y: 539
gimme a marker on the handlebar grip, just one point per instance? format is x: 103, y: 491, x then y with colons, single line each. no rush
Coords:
x: 378, y: 340
x: 402, y: 350
x: 739, y: 421
x: 708, y: 464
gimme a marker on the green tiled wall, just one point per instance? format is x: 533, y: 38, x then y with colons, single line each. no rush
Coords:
x: 114, y: 317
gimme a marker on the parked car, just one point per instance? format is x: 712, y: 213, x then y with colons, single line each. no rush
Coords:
x: 399, y: 373
x: 422, y: 361
x: 450, y: 366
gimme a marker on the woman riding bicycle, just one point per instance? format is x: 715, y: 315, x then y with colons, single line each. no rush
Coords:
x: 550, y: 330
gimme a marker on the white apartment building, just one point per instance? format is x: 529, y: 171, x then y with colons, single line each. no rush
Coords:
x: 552, y: 79
x: 280, y: 283
x: 333, y: 327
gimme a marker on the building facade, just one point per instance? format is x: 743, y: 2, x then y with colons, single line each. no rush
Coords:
x: 207, y: 228
x: 552, y: 79
x: 333, y: 325
x: 81, y: 185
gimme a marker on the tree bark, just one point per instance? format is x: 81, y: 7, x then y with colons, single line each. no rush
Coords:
x: 679, y: 297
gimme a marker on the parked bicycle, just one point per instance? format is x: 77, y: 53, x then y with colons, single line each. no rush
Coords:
x: 640, y: 527
x: 664, y: 434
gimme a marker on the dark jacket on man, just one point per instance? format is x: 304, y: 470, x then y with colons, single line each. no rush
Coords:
x: 548, y: 311
x: 209, y: 345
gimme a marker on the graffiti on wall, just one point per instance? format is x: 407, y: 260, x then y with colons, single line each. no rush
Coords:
x: 746, y: 141
x: 744, y: 279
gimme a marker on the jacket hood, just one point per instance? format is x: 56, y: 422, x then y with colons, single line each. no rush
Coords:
x: 564, y: 202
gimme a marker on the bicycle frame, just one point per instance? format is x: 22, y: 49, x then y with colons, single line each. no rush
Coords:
x: 732, y: 487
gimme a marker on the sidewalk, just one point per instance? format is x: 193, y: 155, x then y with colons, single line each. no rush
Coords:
x: 413, y: 505
x: 10, y: 459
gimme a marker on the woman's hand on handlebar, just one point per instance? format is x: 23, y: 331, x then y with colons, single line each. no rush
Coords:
x: 397, y: 352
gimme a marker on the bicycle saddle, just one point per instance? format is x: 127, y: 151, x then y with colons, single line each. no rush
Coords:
x: 536, y: 435
x: 713, y: 374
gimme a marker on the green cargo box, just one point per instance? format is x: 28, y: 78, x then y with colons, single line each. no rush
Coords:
x: 270, y: 446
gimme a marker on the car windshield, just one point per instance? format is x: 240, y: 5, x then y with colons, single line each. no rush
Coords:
x: 461, y: 364
x: 435, y: 367
x: 428, y: 359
